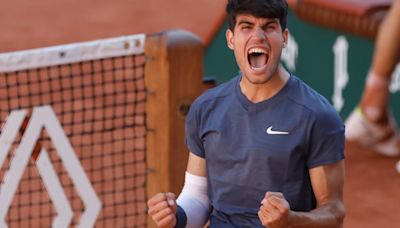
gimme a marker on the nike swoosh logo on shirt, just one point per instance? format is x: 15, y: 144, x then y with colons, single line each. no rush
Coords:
x: 272, y: 132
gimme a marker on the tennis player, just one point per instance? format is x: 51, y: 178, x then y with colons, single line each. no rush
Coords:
x: 266, y: 149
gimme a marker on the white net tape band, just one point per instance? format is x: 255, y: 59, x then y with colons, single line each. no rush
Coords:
x: 72, y: 53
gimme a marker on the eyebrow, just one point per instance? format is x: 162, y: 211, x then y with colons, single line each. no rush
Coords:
x: 268, y: 22
x: 272, y: 21
x: 244, y: 21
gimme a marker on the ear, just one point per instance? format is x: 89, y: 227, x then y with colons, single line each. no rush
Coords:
x: 229, y: 39
x: 285, y: 35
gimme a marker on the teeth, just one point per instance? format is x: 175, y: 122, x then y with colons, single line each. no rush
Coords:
x: 257, y: 50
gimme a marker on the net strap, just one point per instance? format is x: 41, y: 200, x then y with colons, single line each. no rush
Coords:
x: 72, y: 53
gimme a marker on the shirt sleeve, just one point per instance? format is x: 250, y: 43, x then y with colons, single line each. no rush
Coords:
x: 326, y: 139
x: 192, y: 133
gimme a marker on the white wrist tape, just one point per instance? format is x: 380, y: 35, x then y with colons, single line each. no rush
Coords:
x: 374, y: 80
x: 194, y: 200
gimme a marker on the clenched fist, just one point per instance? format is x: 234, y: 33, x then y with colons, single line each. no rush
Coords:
x: 274, y: 210
x: 162, y: 209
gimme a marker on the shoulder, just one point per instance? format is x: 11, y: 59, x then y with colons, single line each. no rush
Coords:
x: 321, y: 112
x: 214, y: 95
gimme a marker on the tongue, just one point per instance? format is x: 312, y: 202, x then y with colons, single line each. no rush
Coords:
x: 258, y: 60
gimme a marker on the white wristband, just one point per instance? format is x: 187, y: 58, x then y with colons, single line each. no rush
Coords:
x: 194, y: 200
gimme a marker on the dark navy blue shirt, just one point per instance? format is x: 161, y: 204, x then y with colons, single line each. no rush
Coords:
x: 251, y: 148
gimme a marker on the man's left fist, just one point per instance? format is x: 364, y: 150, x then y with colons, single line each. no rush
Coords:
x: 274, y: 211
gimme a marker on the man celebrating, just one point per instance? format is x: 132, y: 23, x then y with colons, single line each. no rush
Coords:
x: 265, y: 149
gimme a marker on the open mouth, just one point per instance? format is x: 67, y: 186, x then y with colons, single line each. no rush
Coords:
x: 257, y: 57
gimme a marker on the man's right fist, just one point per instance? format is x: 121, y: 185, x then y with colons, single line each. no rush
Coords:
x: 162, y: 209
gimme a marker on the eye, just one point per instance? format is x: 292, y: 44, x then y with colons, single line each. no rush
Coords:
x: 271, y: 27
x: 246, y: 27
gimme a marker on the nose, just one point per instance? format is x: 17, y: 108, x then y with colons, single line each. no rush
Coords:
x: 260, y: 34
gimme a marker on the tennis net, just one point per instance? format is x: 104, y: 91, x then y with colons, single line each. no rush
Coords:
x: 97, y: 92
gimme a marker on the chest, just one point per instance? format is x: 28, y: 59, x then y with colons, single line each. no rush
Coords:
x: 234, y: 134
x: 256, y: 149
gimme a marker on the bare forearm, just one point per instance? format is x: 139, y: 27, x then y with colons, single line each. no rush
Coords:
x: 387, y: 49
x: 329, y: 215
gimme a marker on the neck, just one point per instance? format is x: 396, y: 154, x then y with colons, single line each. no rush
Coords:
x: 261, y: 92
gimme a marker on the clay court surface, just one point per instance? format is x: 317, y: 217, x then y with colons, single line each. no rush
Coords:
x: 33, y: 24
x: 372, y: 190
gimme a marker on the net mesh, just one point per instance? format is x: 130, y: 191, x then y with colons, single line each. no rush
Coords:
x: 101, y: 107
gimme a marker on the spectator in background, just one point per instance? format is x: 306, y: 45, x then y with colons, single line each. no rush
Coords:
x: 371, y: 123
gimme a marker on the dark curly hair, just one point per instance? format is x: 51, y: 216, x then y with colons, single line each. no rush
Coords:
x: 258, y: 8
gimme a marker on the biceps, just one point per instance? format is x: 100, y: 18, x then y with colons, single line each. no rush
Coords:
x: 196, y: 165
x: 327, y: 182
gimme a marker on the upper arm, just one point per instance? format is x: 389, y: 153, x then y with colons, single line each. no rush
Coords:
x: 327, y: 182
x: 196, y: 165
